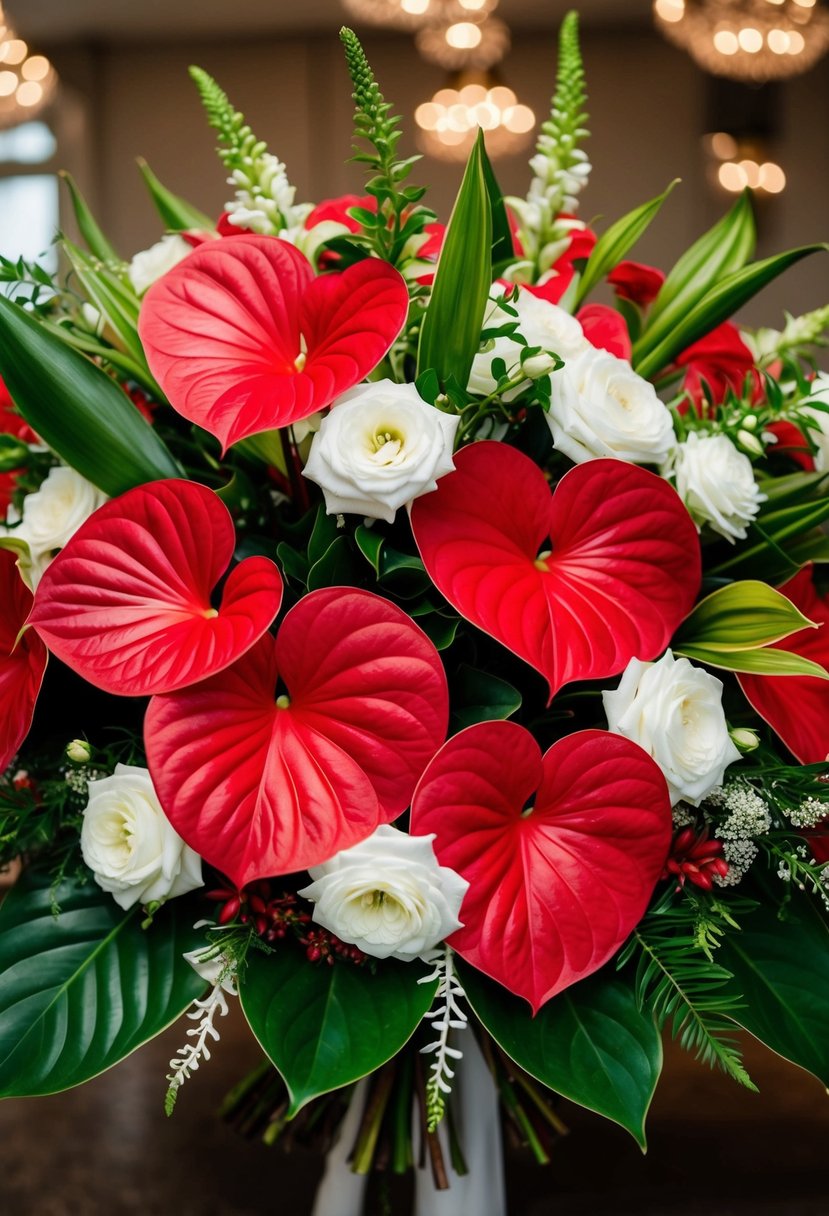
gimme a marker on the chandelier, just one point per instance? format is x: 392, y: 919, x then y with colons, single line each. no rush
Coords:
x: 409, y: 14
x: 754, y: 40
x: 448, y: 123
x: 26, y: 81
x: 464, y: 44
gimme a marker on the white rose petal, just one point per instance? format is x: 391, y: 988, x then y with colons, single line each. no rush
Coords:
x: 52, y: 515
x: 380, y: 447
x: 819, y: 434
x: 541, y: 323
x: 599, y: 406
x: 150, y: 264
x: 674, y: 711
x: 130, y: 845
x: 716, y: 483
x: 388, y: 895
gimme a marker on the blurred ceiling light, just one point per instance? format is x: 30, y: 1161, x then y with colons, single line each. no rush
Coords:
x: 737, y: 164
x: 410, y: 14
x: 753, y: 40
x: 26, y: 81
x: 464, y: 44
x: 448, y: 123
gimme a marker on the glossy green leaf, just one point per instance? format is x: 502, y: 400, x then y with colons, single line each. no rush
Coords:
x: 775, y: 526
x: 478, y: 696
x: 719, y: 252
x: 591, y: 1043
x: 439, y: 628
x: 335, y: 568
x: 324, y: 1027
x: 719, y: 303
x: 370, y: 543
x: 741, y: 616
x: 88, y: 227
x: 77, y: 410
x: 780, y: 968
x: 767, y: 661
x: 80, y: 991
x: 451, y: 330
x: 620, y: 237
x: 502, y: 247
x: 176, y: 212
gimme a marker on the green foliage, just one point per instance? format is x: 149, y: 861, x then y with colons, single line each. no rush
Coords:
x: 764, y: 661
x: 612, y: 245
x: 97, y: 243
x: 238, y: 146
x: 177, y: 214
x: 479, y: 696
x: 741, y: 616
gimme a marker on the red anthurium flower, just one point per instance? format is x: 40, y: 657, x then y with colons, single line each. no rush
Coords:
x: 127, y: 603
x: 11, y: 423
x: 337, y: 209
x: 243, y: 338
x: 577, y: 584
x: 721, y: 360
x: 797, y: 707
x: 791, y: 442
x: 22, y: 663
x: 261, y: 784
x: 636, y: 282
x: 605, y: 328
x: 557, y: 887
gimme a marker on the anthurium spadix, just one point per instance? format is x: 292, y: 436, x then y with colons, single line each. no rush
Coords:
x: 22, y: 660
x: 561, y: 851
x: 127, y: 603
x: 263, y: 782
x: 576, y: 584
x: 243, y: 337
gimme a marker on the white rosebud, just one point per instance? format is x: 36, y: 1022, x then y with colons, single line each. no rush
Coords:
x: 52, y: 515
x: 674, y: 711
x: 150, y: 264
x: 388, y: 895
x: 744, y: 739
x: 749, y: 443
x: 599, y: 406
x: 538, y: 365
x: 716, y: 483
x: 380, y: 447
x: 129, y: 844
x: 819, y: 433
x: 540, y: 323
x: 79, y: 751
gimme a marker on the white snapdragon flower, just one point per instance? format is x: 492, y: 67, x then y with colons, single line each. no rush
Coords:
x: 540, y: 323
x: 819, y: 433
x: 380, y: 446
x: 150, y: 264
x: 716, y: 483
x: 599, y: 406
x: 130, y: 845
x: 52, y: 515
x: 674, y: 711
x: 388, y: 895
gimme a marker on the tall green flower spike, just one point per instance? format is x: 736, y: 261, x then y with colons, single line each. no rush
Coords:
x: 264, y: 197
x: 560, y: 166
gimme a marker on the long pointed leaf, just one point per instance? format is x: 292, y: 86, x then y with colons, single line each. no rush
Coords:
x: 765, y: 661
x: 175, y: 211
x: 88, y: 226
x: 741, y: 616
x: 612, y: 245
x: 502, y: 247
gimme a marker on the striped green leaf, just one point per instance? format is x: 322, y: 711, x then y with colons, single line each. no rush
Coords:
x: 612, y: 245
x: 741, y: 616
x: 177, y: 214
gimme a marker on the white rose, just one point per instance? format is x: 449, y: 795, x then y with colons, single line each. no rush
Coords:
x: 819, y: 433
x: 716, y: 483
x: 130, y: 845
x: 150, y: 264
x: 380, y: 446
x: 53, y: 514
x: 600, y: 407
x: 541, y: 323
x: 674, y: 711
x: 388, y: 895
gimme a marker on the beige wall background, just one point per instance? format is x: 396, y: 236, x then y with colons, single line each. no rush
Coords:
x: 648, y: 103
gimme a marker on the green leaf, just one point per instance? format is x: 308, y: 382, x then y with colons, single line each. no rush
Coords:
x: 439, y: 628
x: 324, y: 1027
x: 176, y: 212
x: 370, y: 543
x: 741, y: 616
x: 335, y: 568
x: 761, y: 662
x: 591, y: 1043
x: 76, y: 409
x: 478, y: 696
x: 612, y: 245
x: 719, y: 252
x: 719, y: 303
x: 502, y: 247
x: 96, y: 242
x: 323, y: 534
x: 81, y: 991
x: 774, y: 528
x: 780, y: 966
x: 451, y: 330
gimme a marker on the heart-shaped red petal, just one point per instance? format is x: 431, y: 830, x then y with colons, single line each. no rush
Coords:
x: 623, y: 571
x: 127, y: 603
x: 797, y: 707
x: 243, y: 338
x: 260, y: 786
x: 554, y: 890
x: 22, y: 663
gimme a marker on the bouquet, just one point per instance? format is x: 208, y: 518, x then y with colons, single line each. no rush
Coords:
x: 400, y: 641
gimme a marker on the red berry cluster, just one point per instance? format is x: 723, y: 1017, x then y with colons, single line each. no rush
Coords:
x: 696, y: 858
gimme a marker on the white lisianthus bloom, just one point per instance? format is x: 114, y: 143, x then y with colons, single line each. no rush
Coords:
x: 388, y: 895
x: 716, y: 483
x: 380, y: 447
x: 674, y: 711
x: 599, y: 406
x: 130, y: 845
x: 540, y: 323
x: 150, y: 264
x: 53, y: 514
x: 819, y: 433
